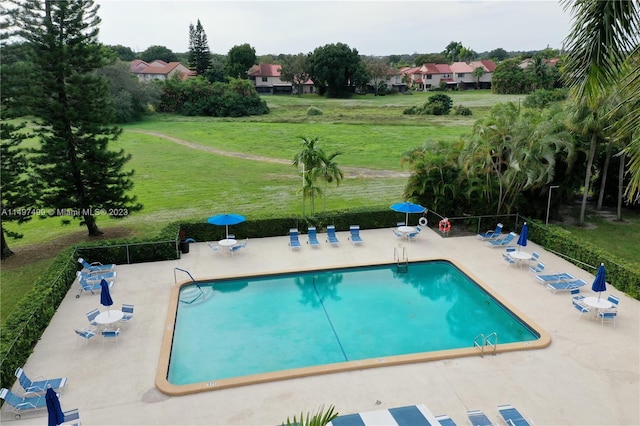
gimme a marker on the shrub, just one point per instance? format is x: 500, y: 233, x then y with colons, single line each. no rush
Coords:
x: 461, y: 110
x: 314, y: 111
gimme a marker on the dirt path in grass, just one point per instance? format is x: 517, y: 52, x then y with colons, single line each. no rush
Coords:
x: 350, y: 172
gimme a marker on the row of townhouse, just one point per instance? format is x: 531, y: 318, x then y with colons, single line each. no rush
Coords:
x: 459, y: 75
x: 267, y: 79
x: 159, y: 70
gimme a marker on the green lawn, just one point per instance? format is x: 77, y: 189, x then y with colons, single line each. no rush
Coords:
x: 178, y: 182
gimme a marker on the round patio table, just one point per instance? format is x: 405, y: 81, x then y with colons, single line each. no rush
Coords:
x: 109, y: 317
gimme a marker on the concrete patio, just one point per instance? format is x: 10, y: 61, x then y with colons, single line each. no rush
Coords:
x: 589, y: 375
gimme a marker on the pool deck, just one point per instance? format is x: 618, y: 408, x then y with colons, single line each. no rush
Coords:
x: 589, y: 375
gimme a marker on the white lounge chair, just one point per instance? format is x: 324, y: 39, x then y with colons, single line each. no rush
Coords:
x: 512, y: 417
x: 565, y: 285
x: 551, y: 278
x: 40, y: 385
x: 19, y: 404
x: 331, y: 236
x: 294, y: 241
x: 354, y: 231
x: 312, y: 237
x: 478, y: 418
x: 491, y: 235
x: 503, y: 242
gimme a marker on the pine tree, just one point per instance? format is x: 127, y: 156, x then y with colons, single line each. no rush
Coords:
x: 199, y: 54
x: 15, y: 195
x: 79, y: 175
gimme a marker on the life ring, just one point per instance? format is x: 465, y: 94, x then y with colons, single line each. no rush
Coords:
x: 444, y: 225
x: 423, y: 221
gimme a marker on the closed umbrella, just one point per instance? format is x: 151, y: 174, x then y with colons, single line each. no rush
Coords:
x: 226, y: 220
x: 56, y: 416
x: 407, y: 207
x: 105, y: 294
x: 524, y: 234
x: 599, y: 284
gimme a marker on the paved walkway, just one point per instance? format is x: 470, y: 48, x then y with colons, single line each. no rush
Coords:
x: 588, y: 376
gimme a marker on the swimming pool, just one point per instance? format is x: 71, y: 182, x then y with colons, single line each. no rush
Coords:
x: 260, y: 328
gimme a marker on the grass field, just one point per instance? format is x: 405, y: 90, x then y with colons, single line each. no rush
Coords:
x: 189, y: 168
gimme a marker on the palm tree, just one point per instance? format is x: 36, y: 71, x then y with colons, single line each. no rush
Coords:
x: 310, y: 158
x: 329, y: 172
x: 588, y: 121
x: 604, y: 50
x: 515, y: 151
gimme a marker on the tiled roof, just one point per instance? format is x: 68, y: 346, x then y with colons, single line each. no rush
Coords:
x: 265, y: 70
x: 157, y: 67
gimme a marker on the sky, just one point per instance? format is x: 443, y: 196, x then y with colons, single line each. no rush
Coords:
x: 372, y: 27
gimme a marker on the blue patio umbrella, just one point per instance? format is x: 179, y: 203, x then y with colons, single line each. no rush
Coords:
x: 599, y: 284
x: 105, y: 294
x: 56, y: 416
x: 407, y: 207
x: 524, y: 234
x: 226, y: 220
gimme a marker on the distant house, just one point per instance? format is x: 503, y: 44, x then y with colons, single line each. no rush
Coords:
x: 464, y: 78
x: 159, y: 70
x: 266, y: 80
x: 530, y: 61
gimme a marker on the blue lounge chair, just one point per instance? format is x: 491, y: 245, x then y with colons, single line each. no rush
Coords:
x: 503, y: 242
x: 313, y: 237
x: 294, y: 242
x: 19, y: 404
x: 71, y: 416
x: 552, y: 278
x: 512, y: 416
x: 491, y: 235
x: 445, y: 420
x: 40, y: 385
x: 95, y: 266
x: 565, y: 285
x: 478, y: 418
x: 398, y: 234
x: 354, y: 231
x: 331, y: 236
x: 97, y: 276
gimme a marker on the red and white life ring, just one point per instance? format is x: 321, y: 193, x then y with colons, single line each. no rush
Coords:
x: 444, y: 225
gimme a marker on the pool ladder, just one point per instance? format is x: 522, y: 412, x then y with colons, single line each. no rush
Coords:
x: 401, y: 258
x: 481, y: 341
x: 188, y: 296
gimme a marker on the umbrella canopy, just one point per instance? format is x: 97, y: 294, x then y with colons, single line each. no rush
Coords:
x: 226, y: 220
x: 599, y: 284
x: 56, y: 416
x: 524, y: 234
x: 407, y: 207
x: 105, y: 294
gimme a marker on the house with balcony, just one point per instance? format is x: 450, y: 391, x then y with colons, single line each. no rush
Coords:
x: 464, y: 74
x: 159, y: 70
x: 266, y: 79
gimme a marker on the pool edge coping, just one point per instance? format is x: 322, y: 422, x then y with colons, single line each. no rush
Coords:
x: 543, y: 341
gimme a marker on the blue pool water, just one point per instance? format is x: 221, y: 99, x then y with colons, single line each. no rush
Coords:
x: 271, y: 323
